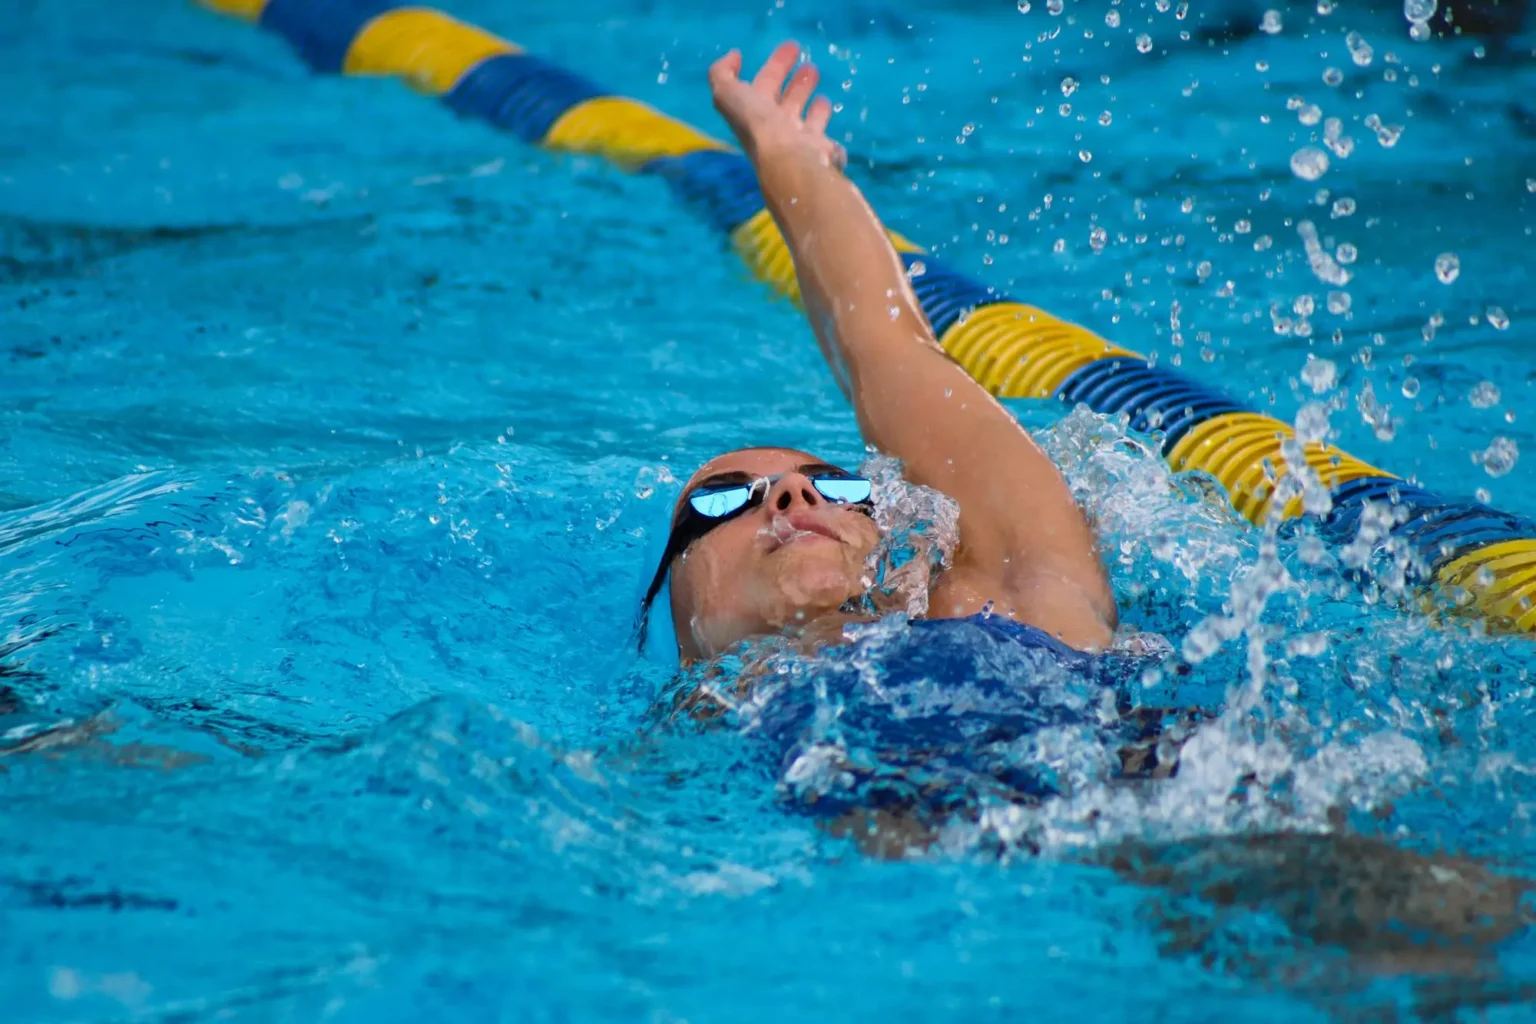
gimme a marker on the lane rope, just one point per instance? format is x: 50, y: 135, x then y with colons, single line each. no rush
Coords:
x: 1478, y: 559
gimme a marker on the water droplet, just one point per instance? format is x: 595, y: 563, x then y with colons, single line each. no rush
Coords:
x: 1242, y: 227
x: 1144, y: 43
x: 1332, y: 76
x: 1485, y: 395
x: 1359, y: 50
x: 1105, y: 118
x: 1447, y: 267
x: 1343, y: 207
x: 1418, y: 32
x: 1187, y: 205
x: 1410, y: 387
x: 1303, y: 306
x: 1309, y: 114
x: 917, y: 269
x: 1419, y: 11
x: 1312, y: 418
x: 1309, y: 163
x: 1098, y: 238
x: 1084, y: 155
x: 1068, y: 86
x: 1272, y: 22
x: 1530, y: 184
x: 1023, y: 6
x: 1054, y: 6
x: 1497, y: 318
x: 1112, y: 19
x: 1338, y: 303
x: 1386, y: 134
x: 1499, y: 457
x: 1346, y: 253
x: 1065, y: 110
x: 1321, y: 375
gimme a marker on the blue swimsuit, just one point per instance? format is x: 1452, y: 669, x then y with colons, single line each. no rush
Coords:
x: 937, y: 715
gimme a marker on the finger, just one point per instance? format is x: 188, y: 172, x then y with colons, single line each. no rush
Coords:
x: 801, y: 85
x: 770, y: 78
x: 820, y: 113
x: 725, y: 70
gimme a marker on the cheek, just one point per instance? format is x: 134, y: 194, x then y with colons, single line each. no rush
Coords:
x: 704, y: 576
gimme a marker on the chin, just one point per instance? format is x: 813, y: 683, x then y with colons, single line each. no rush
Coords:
x: 814, y: 590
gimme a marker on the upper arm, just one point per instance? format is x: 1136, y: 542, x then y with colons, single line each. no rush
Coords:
x: 1021, y: 531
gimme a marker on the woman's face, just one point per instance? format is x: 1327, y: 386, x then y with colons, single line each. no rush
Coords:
x: 792, y: 557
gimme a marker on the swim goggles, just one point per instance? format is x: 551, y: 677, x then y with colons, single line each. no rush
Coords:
x: 719, y: 499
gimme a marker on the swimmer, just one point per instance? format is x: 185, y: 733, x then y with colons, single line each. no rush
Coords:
x: 768, y: 541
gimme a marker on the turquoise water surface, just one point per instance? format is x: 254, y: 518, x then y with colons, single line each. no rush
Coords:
x: 335, y: 434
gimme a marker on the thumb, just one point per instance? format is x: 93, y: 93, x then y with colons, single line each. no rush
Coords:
x: 725, y: 71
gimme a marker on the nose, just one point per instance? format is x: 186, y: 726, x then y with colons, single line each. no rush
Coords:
x: 792, y: 491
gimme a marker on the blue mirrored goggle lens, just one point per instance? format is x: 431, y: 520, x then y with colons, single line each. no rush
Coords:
x: 850, y: 489
x: 723, y: 502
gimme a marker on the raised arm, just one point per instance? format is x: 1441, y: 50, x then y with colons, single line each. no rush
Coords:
x: 1023, y: 541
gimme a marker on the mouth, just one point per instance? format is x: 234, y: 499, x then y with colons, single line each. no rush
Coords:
x: 796, y: 528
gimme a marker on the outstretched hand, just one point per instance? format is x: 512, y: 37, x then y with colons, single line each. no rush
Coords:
x: 770, y: 117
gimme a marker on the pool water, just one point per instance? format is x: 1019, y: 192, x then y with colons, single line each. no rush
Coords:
x: 335, y: 434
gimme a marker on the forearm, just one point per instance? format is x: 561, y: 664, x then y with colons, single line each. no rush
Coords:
x: 854, y: 287
x: 911, y: 399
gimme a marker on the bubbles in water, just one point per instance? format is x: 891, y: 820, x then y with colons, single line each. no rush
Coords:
x: 1359, y: 50
x: 1312, y: 422
x: 1068, y: 86
x: 1386, y: 134
x: 1309, y: 114
x: 1347, y: 253
x: 1272, y: 22
x: 1332, y: 76
x: 1343, y: 207
x: 1323, y: 265
x: 1335, y: 139
x: 1098, y: 238
x: 1321, y: 375
x: 1410, y: 387
x: 1144, y: 43
x: 1484, y: 395
x: 1309, y: 163
x: 1447, y: 267
x: 1338, y: 303
x: 1419, y: 11
x: 1112, y: 19
x: 1307, y: 645
x: 1497, y: 318
x: 1303, y: 306
x: 1375, y: 414
x: 1105, y: 118
x: 1499, y: 457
